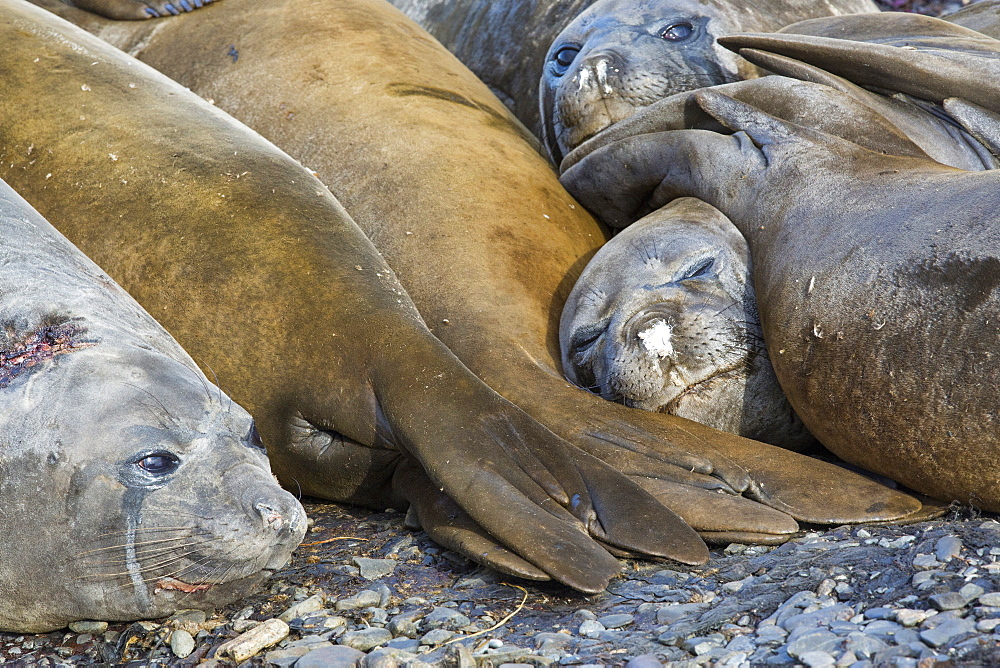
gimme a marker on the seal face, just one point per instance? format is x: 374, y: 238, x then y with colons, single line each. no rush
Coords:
x: 619, y: 56
x: 129, y: 485
x: 664, y: 319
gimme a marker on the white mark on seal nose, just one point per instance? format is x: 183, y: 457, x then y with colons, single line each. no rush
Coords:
x: 656, y: 338
x: 583, y: 78
x: 272, y: 518
x: 602, y: 78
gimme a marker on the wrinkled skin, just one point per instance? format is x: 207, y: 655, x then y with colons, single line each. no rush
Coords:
x: 875, y: 276
x: 131, y: 487
x: 664, y: 318
x: 619, y: 56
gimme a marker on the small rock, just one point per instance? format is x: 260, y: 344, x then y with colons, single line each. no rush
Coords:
x: 821, y: 641
x: 446, y: 618
x: 311, y: 604
x: 366, y: 639
x: 373, y: 569
x: 908, y: 617
x: 947, y: 631
x: 951, y: 600
x: 263, y: 635
x: 436, y: 637
x: 669, y: 614
x: 925, y: 561
x: 971, y: 592
x: 864, y: 646
x: 363, y: 599
x: 992, y: 599
x: 88, y: 627
x: 644, y: 661
x: 181, y: 643
x: 987, y: 625
x: 276, y: 655
x: 336, y: 656
x: 817, y: 659
x: 947, y: 548
x: 878, y: 613
x: 591, y: 628
x: 616, y: 621
x: 401, y: 626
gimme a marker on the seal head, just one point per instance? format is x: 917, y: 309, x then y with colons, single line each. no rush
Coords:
x: 130, y: 486
x: 664, y: 319
x: 618, y: 56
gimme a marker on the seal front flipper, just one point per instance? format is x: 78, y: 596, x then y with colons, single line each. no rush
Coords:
x: 981, y: 123
x: 125, y: 10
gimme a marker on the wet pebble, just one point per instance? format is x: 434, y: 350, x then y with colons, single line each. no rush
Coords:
x: 181, y: 643
x: 336, y: 656
x: 373, y: 569
x: 366, y: 639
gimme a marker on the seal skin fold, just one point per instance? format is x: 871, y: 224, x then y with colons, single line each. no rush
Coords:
x: 125, y: 476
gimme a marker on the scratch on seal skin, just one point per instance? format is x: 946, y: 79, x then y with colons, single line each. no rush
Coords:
x: 39, y: 346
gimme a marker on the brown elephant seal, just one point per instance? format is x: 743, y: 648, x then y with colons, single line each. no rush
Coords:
x: 664, y: 318
x: 619, y: 56
x: 131, y: 486
x: 209, y: 225
x: 491, y: 285
x: 876, y: 279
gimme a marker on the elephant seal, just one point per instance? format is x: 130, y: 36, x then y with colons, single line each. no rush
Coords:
x: 876, y: 278
x: 130, y: 486
x: 208, y: 225
x: 491, y: 286
x: 664, y: 318
x: 619, y: 56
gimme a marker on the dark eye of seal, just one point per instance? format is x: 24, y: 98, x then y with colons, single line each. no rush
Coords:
x: 159, y: 463
x: 563, y: 58
x: 252, y: 439
x: 677, y: 32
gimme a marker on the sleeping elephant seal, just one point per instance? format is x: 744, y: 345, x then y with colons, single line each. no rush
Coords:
x: 129, y: 486
x: 664, y: 318
x: 619, y: 56
x: 248, y: 259
x: 485, y: 240
x: 877, y: 278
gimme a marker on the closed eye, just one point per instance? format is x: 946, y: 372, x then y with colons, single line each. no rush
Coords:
x: 700, y: 269
x: 585, y: 337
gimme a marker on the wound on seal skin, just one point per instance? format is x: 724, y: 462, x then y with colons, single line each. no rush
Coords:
x: 22, y: 350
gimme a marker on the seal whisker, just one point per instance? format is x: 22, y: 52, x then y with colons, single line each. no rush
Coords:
x: 149, y: 555
x: 153, y: 397
x: 148, y: 542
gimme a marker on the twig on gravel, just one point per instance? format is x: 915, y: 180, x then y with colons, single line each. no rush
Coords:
x: 330, y: 540
x: 503, y: 621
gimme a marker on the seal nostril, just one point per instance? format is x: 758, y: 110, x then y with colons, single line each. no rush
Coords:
x: 272, y: 518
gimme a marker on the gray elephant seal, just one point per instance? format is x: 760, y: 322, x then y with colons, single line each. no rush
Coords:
x: 876, y: 278
x: 664, y: 318
x: 619, y: 56
x: 131, y: 487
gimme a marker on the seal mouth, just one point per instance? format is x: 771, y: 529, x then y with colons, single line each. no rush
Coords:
x: 173, y: 584
x: 672, y: 406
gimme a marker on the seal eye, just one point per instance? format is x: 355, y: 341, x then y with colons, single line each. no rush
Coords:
x: 252, y: 439
x: 159, y: 463
x: 700, y: 270
x: 563, y: 58
x: 677, y: 32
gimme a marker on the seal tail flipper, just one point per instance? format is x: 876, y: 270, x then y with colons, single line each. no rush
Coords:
x: 450, y: 526
x: 981, y: 123
x: 130, y: 10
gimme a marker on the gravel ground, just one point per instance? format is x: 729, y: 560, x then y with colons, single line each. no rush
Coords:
x: 364, y: 590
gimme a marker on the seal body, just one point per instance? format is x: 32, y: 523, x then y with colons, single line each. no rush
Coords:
x: 664, y: 318
x: 876, y: 278
x: 619, y: 56
x: 131, y: 487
